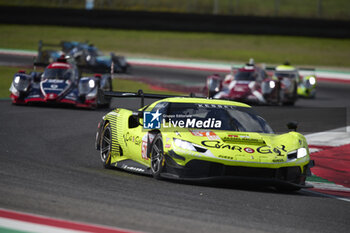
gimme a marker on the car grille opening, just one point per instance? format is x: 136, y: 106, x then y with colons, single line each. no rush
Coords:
x: 200, y: 149
x: 292, y: 155
x: 198, y: 168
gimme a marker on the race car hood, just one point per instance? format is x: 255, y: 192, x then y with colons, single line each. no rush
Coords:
x: 237, y: 146
x: 53, y: 88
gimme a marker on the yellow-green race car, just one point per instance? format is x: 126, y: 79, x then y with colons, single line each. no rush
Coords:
x: 305, y: 84
x: 190, y: 138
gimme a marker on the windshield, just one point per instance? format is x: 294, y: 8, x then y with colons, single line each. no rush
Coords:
x: 58, y: 74
x: 245, y: 75
x: 232, y: 118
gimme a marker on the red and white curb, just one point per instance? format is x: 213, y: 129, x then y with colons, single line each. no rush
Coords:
x: 29, y: 53
x: 331, y: 152
x: 14, y: 221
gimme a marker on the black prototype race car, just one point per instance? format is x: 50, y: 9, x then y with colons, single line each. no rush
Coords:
x: 61, y: 83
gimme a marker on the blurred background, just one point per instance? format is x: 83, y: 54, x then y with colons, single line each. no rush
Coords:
x: 326, y: 9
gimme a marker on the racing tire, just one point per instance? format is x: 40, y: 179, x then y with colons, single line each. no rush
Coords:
x: 108, y: 100
x: 278, y: 94
x: 102, y: 101
x: 106, y: 145
x: 293, y: 99
x: 213, y: 87
x: 157, y: 156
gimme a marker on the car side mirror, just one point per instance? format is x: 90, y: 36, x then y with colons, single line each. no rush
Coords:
x: 138, y: 114
x: 293, y: 125
x: 136, y: 119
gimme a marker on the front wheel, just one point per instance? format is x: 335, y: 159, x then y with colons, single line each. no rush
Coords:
x: 157, y: 156
x: 292, y: 99
x: 106, y: 146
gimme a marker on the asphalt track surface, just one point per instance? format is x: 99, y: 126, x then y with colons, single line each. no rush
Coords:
x: 49, y: 166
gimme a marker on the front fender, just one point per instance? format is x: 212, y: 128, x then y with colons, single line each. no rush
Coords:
x: 100, y: 126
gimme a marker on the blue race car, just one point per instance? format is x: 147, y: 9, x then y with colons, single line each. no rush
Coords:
x: 87, y: 57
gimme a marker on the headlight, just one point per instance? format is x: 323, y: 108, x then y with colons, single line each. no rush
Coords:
x: 16, y: 80
x: 184, y: 144
x: 21, y: 83
x: 297, y: 154
x: 312, y: 80
x: 272, y: 84
x: 91, y: 83
x: 193, y: 147
x: 301, y: 152
x: 86, y: 86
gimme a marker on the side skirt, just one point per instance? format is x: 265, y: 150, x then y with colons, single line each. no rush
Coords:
x: 132, y: 166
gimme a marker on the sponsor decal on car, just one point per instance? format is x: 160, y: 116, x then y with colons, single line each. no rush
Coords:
x: 269, y: 149
x: 152, y: 120
x: 144, y: 146
x: 131, y: 138
x: 205, y: 133
x: 193, y: 123
x: 249, y: 150
x: 134, y: 169
x: 262, y: 149
x: 242, y: 138
x: 277, y: 160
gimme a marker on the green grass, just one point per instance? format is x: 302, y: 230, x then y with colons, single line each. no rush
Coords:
x: 6, y: 76
x: 7, y: 73
x: 304, y: 51
x: 315, y: 178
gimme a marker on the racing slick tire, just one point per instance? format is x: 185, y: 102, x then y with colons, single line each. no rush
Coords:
x: 102, y: 100
x: 107, y: 100
x: 293, y: 99
x: 157, y: 156
x: 106, y: 145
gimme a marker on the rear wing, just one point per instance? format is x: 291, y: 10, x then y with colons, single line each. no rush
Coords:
x: 64, y: 46
x: 273, y: 68
x: 140, y: 94
x: 303, y: 71
x: 270, y: 68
